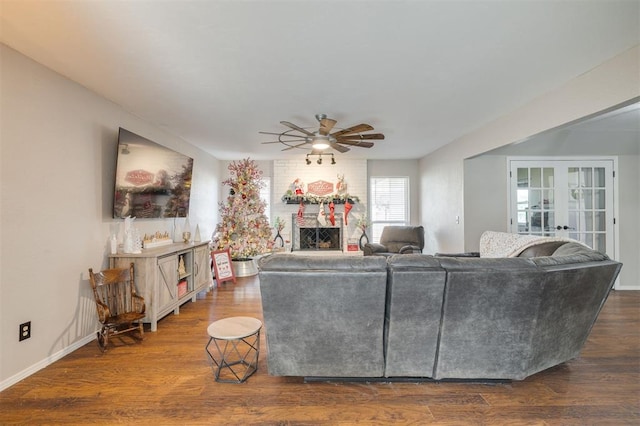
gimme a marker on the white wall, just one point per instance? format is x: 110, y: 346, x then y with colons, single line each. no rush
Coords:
x: 485, y: 197
x: 442, y: 172
x: 355, y: 176
x: 57, y: 165
x: 628, y: 220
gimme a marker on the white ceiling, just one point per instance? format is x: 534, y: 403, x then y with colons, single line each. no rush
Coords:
x: 615, y: 132
x: 424, y: 73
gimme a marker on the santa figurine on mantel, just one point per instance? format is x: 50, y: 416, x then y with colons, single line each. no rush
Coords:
x: 298, y: 187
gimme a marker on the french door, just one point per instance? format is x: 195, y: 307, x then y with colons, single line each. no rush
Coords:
x: 564, y: 198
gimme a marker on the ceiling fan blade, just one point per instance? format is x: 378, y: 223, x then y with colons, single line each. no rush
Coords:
x: 294, y: 146
x: 326, y: 124
x: 298, y: 128
x: 361, y: 144
x: 370, y: 136
x: 278, y: 134
x: 353, y: 129
x: 338, y: 147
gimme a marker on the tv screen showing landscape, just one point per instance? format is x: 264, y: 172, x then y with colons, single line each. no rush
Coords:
x: 152, y: 181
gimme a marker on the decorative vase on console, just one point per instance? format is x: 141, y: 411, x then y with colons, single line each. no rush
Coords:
x: 132, y: 242
x: 363, y: 223
x: 363, y: 240
x: 278, y: 241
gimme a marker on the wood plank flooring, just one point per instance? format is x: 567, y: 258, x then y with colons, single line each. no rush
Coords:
x: 167, y: 380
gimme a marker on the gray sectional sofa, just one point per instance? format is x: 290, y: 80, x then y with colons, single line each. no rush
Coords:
x: 431, y: 317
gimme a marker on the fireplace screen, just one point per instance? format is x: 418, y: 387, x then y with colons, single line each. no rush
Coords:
x: 310, y: 235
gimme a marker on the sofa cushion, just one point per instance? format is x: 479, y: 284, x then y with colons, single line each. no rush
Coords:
x: 324, y: 315
x: 569, y: 254
x: 487, y: 315
x: 294, y: 262
x: 414, y: 304
x: 542, y: 249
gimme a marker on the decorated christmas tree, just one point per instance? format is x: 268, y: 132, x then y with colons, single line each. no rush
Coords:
x: 244, y: 228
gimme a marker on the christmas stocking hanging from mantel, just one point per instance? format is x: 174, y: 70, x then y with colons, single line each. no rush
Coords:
x: 322, y: 216
x: 300, y: 215
x: 347, y: 209
x: 332, y: 215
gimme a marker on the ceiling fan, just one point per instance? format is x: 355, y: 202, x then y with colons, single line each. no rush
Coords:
x: 322, y: 138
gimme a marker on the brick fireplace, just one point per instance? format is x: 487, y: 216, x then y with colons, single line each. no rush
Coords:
x: 309, y: 234
x: 285, y: 172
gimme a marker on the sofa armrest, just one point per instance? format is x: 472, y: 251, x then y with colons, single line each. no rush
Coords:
x: 468, y: 254
x: 410, y: 249
x: 372, y: 248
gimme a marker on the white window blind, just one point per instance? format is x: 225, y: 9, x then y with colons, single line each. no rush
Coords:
x: 389, y: 199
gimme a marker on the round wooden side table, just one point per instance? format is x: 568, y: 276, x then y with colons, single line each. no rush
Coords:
x: 237, y: 347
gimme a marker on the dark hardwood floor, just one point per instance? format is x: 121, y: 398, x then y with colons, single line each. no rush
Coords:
x: 167, y: 380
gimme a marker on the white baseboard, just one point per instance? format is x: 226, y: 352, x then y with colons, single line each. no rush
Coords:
x: 45, y: 362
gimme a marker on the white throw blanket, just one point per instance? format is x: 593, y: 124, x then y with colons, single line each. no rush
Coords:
x: 504, y: 244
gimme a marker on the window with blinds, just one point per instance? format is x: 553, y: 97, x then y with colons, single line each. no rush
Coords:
x: 389, y: 201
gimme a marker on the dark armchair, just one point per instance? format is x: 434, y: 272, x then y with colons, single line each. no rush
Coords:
x: 397, y: 240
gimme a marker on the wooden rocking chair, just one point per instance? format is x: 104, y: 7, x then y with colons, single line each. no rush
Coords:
x: 120, y: 309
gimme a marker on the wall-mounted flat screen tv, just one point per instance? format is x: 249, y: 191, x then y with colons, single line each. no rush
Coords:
x: 152, y: 181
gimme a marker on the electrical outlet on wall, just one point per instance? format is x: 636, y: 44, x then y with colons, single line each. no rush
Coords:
x: 25, y: 331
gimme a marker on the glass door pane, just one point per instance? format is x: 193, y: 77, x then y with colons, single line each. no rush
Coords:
x: 587, y: 207
x: 564, y: 198
x: 535, y: 201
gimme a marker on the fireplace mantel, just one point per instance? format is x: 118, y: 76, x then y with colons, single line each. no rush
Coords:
x: 309, y: 234
x: 312, y: 199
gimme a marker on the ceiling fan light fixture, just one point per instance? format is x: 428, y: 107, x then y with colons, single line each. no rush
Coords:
x: 319, y: 160
x: 320, y: 143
